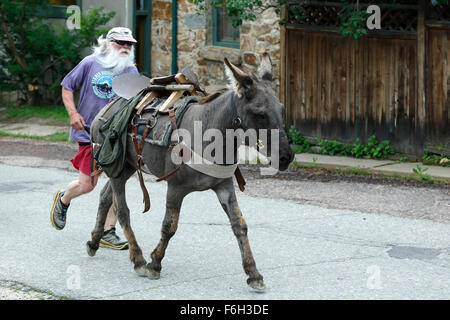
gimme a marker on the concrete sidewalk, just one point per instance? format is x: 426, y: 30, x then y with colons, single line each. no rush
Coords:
x: 387, y: 167
x: 31, y: 127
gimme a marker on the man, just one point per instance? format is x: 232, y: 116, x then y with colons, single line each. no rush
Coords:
x: 93, y: 76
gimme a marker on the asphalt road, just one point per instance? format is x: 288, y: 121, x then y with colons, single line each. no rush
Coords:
x: 304, y: 249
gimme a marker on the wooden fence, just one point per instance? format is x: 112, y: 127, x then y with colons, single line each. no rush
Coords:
x: 394, y: 82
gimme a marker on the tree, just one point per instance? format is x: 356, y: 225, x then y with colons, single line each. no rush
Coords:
x: 36, y: 54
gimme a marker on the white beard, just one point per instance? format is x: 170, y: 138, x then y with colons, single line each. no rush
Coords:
x: 115, y: 60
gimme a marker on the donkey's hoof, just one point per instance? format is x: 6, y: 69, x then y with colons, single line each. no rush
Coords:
x: 257, y: 285
x: 152, y: 274
x: 142, y: 270
x: 90, y: 251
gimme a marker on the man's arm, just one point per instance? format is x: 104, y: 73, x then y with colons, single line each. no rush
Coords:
x: 76, y: 120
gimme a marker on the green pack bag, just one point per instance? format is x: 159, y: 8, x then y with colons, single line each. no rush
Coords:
x: 111, y: 155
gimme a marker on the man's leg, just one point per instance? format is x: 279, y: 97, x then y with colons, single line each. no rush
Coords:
x: 110, y: 239
x: 78, y: 187
x: 75, y: 189
x: 62, y: 198
x: 111, y: 219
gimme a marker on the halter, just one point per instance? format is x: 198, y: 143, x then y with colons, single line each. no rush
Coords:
x: 237, y: 120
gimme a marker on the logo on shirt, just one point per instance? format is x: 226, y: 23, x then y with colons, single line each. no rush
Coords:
x: 102, y: 84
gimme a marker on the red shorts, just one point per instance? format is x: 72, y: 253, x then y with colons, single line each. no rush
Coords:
x: 82, y: 160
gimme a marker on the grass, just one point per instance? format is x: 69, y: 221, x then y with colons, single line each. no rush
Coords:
x: 417, y: 177
x: 51, y: 114
x: 57, y: 136
x: 47, y: 114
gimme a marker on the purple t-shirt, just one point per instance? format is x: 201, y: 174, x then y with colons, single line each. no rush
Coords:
x: 96, y: 90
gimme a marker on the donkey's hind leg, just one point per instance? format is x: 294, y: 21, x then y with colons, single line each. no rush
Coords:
x: 103, y: 208
x: 169, y: 227
x: 227, y: 197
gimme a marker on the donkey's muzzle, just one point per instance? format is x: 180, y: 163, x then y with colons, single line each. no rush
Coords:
x: 285, y: 161
x: 286, y: 156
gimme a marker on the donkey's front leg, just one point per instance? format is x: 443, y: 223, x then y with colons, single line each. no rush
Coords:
x: 103, y: 207
x: 227, y: 197
x: 169, y: 227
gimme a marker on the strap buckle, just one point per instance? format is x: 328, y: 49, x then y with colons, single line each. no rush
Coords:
x: 237, y: 122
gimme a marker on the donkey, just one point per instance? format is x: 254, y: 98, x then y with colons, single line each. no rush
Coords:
x: 250, y: 103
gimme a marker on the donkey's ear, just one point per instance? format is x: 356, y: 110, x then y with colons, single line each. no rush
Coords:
x: 265, y: 68
x: 242, y: 83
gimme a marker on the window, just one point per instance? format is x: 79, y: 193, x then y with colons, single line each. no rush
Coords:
x: 224, y: 34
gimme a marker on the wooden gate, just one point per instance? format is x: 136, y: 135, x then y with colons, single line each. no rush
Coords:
x: 393, y: 83
x: 438, y: 87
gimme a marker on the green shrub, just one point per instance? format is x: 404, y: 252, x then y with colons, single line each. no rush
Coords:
x: 377, y: 150
x: 358, y: 151
x: 296, y: 138
x: 330, y: 147
x: 38, y: 54
x: 373, y: 149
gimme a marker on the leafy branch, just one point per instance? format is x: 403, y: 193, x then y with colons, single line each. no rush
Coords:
x: 240, y: 10
x: 352, y: 17
x: 37, y: 54
x: 353, y: 21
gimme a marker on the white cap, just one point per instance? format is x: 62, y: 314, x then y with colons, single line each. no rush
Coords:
x: 120, y: 33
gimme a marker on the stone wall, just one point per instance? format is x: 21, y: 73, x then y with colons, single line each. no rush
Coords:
x: 161, y: 38
x: 195, y: 47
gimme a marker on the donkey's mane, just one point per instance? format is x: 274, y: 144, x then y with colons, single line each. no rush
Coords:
x: 212, y: 96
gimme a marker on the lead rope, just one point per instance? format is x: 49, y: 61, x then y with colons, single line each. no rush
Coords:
x: 139, y: 164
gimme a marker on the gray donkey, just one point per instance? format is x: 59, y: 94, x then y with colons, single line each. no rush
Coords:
x: 250, y: 103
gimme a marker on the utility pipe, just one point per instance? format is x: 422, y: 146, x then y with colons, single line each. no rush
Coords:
x: 174, y: 36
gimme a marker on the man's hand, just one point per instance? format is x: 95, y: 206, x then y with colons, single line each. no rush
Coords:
x: 77, y: 121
